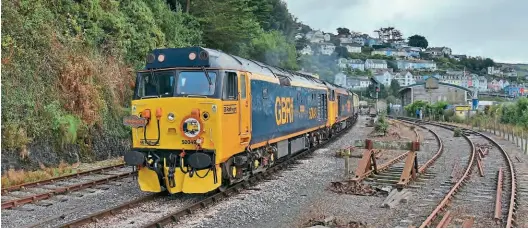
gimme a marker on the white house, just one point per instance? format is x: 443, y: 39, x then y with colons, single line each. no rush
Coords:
x: 316, y: 36
x: 353, y: 64
x: 404, y: 78
x: 327, y: 48
x: 352, y: 47
x: 438, y: 51
x: 306, y: 51
x: 416, y: 65
x: 384, y: 77
x: 375, y: 64
x: 356, y: 64
x: 483, y: 83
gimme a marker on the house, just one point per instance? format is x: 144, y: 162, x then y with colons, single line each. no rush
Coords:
x: 352, y: 47
x: 316, y: 36
x: 385, y: 77
x: 404, y: 78
x: 299, y: 36
x: 383, y: 52
x: 373, y: 41
x: 375, y: 64
x: 510, y: 73
x: 356, y: 64
x: 482, y: 83
x: 327, y: 48
x: 494, y: 85
x: 353, y: 64
x: 413, y: 52
x: 512, y: 90
x: 438, y: 51
x: 416, y: 65
x: 419, y: 78
x: 346, y: 40
x: 494, y: 71
x: 360, y: 40
x: 358, y: 82
x: 306, y: 51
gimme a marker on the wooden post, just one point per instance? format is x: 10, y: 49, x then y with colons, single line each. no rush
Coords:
x: 526, y: 145
x: 347, y: 166
x: 522, y: 141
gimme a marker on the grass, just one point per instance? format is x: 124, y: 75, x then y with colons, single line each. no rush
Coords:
x: 16, y: 177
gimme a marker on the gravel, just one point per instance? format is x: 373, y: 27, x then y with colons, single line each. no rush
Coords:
x: 62, y: 208
x: 284, y: 201
x: 520, y: 162
x: 430, y: 189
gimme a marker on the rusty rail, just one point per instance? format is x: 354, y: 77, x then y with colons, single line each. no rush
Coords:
x: 75, y: 187
x: 513, y: 182
x: 498, y: 201
x: 454, y: 189
x: 60, y: 178
x: 381, y: 168
x: 445, y: 220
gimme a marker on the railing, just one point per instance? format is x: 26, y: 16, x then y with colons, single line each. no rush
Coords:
x: 519, y: 138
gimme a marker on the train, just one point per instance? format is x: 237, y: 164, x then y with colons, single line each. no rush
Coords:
x: 202, y: 120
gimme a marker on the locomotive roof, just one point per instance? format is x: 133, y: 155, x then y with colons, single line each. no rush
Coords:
x: 193, y: 57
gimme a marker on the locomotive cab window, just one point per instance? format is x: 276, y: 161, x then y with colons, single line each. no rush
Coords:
x: 155, y: 84
x: 196, y: 83
x: 230, y: 86
x: 243, y: 86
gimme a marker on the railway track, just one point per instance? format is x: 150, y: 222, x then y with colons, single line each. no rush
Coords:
x: 201, y: 203
x: 16, y: 196
x: 478, y: 197
x: 390, y: 172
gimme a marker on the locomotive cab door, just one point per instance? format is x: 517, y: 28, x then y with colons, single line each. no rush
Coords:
x: 245, y: 108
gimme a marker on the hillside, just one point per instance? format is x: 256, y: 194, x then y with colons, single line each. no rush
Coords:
x: 68, y: 65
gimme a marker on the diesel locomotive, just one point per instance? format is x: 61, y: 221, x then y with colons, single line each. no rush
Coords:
x: 202, y: 119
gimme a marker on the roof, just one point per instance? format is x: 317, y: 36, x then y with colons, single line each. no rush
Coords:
x: 377, y: 61
x: 440, y: 83
x: 210, y: 58
x: 356, y: 61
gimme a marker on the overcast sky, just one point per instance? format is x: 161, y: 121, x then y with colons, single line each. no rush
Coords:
x: 490, y: 28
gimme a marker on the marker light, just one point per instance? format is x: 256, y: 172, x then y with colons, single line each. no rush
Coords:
x: 170, y: 117
x: 192, y: 56
x: 161, y: 57
x: 199, y: 141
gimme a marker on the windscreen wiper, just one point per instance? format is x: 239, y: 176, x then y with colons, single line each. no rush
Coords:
x: 207, y: 75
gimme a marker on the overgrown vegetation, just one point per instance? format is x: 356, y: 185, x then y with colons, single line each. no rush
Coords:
x: 68, y: 65
x: 457, y: 132
x: 381, y: 126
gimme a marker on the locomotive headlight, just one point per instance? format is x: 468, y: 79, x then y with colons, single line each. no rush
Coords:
x: 171, y: 117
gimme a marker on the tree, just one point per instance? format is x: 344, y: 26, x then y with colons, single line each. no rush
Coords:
x: 394, y: 87
x: 274, y: 49
x: 343, y: 31
x: 230, y: 31
x: 418, y: 41
x: 342, y: 52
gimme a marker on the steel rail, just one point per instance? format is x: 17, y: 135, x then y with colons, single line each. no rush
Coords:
x: 60, y: 178
x: 510, y: 220
x: 60, y: 190
x: 173, y: 217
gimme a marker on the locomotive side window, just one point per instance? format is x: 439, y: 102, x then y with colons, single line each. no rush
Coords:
x: 243, y: 86
x: 231, y: 86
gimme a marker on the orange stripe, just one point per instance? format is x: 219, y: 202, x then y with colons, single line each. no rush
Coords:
x: 260, y: 144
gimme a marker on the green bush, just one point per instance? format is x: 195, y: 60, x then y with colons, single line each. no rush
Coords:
x: 381, y: 126
x: 457, y: 132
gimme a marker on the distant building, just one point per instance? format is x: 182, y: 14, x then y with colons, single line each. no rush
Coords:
x: 306, y: 51
x: 438, y: 51
x: 327, y: 48
x: 437, y: 91
x: 416, y: 65
x: 375, y: 64
x: 404, y: 78
x: 352, y: 47
x: 385, y: 77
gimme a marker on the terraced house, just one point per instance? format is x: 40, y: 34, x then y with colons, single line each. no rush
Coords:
x: 375, y: 64
x: 419, y: 65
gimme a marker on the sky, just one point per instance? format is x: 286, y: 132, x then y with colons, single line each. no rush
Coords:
x: 497, y: 29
